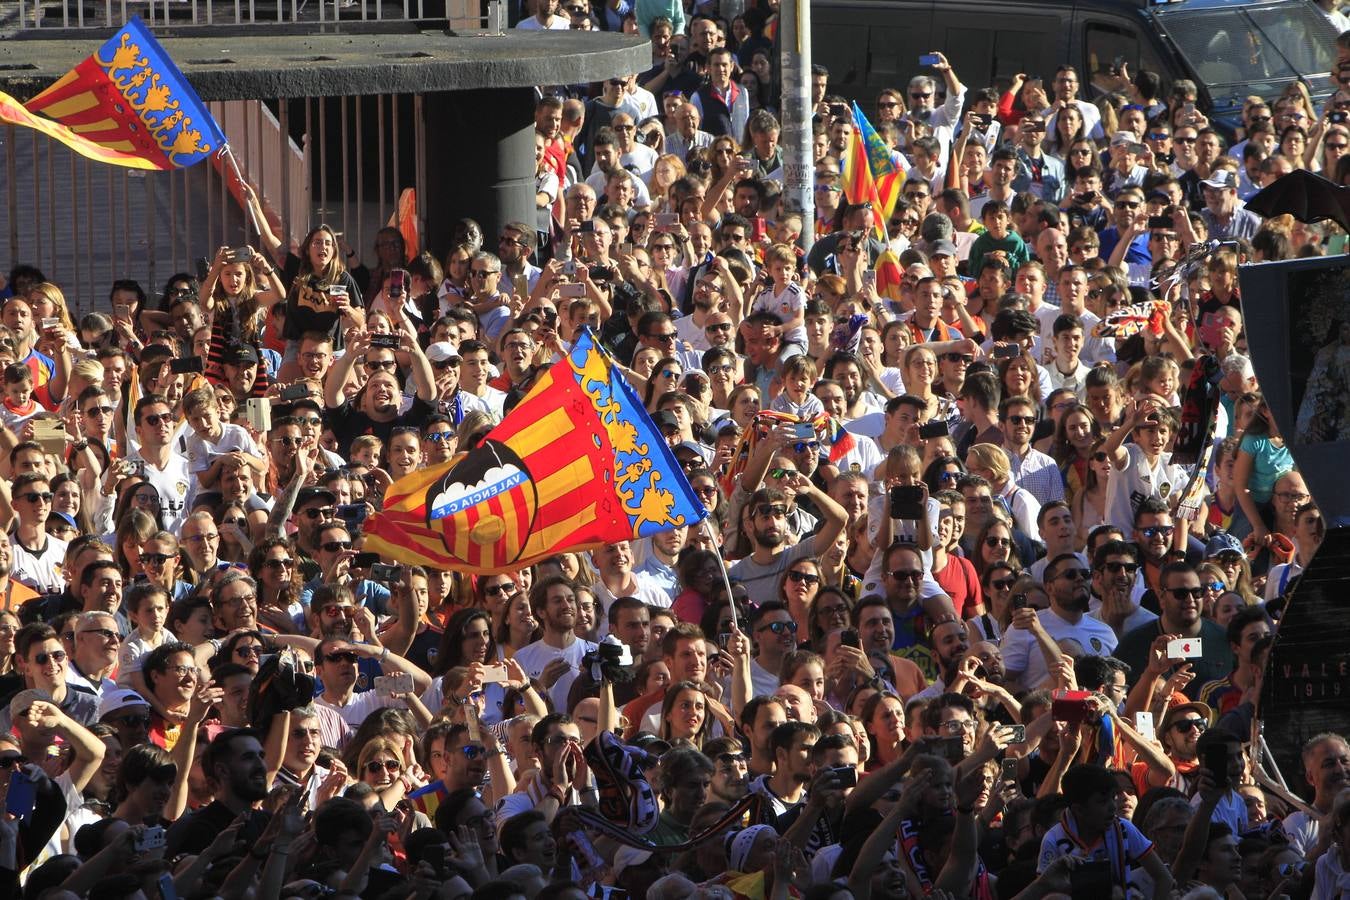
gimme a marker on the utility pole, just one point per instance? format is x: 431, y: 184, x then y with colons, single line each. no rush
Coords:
x: 794, y: 41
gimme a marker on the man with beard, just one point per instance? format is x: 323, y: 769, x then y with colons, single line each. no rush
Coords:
x: 1182, y: 599
x: 876, y: 632
x: 557, y: 741
x: 1115, y: 568
x: 761, y: 570
x: 1066, y: 581
x: 916, y: 603
x: 730, y: 779
x: 555, y: 659
x: 791, y: 744
x: 844, y: 369
x: 765, y: 350
x: 950, y: 645
x: 235, y: 766
x: 375, y: 408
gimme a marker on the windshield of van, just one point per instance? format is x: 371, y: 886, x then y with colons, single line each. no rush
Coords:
x: 1241, y: 45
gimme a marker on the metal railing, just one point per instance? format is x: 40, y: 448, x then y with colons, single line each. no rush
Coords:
x: 339, y: 160
x: 460, y: 15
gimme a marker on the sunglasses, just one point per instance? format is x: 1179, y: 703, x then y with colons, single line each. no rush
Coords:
x: 155, y: 559
x: 767, y: 510
x: 780, y: 627
x: 803, y: 578
x: 375, y: 766
x: 801, y: 446
x: 1003, y: 584
x: 250, y: 650
x: 1075, y: 574
x: 1182, y: 593
x: 342, y: 656
x: 10, y: 761
x: 1162, y: 531
x: 438, y: 437
x: 322, y: 512
x: 154, y: 420
x: 1021, y: 420
x: 1116, y: 568
x: 907, y: 574
x: 997, y: 542
x: 35, y: 496
x: 1215, y: 586
x: 1199, y: 725
x: 100, y: 411
x: 283, y: 563
x: 959, y: 358
x: 473, y: 751
x: 335, y: 546
x: 506, y: 587
x: 130, y: 721
x: 43, y: 658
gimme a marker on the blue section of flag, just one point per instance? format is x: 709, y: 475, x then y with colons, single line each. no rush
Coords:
x: 648, y: 480
x: 159, y: 95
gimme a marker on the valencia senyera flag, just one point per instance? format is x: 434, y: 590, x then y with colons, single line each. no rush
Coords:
x: 126, y: 105
x: 576, y: 464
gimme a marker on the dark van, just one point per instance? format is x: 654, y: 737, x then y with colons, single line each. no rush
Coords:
x: 1229, y: 48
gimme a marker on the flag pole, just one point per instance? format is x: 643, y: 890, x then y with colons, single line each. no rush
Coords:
x: 244, y: 186
x: 722, y: 565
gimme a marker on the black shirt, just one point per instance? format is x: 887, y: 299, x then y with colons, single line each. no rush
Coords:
x: 194, y: 832
x: 349, y: 422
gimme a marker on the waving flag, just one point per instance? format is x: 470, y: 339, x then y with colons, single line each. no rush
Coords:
x: 577, y: 464
x: 126, y: 105
x: 889, y: 275
x: 870, y: 172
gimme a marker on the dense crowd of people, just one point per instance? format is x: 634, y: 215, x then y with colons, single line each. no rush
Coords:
x: 994, y: 559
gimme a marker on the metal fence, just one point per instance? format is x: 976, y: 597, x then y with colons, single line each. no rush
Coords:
x: 339, y: 160
x: 343, y: 161
x: 461, y: 15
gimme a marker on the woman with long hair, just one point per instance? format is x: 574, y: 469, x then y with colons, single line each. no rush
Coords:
x: 1020, y: 376
x: 830, y: 611
x: 684, y: 714
x: 994, y: 544
x: 468, y: 642
x: 943, y: 473
x: 921, y: 371
x: 667, y: 170
x: 997, y: 586
x: 48, y: 302
x: 1089, y: 502
x: 797, y: 589
x: 665, y: 379
x: 68, y: 498
x: 137, y: 494
x: 700, y: 576
x: 312, y: 303
x: 9, y: 626
x: 744, y: 404
x: 518, y: 626
x: 883, y: 717
x: 1068, y: 128
x: 1075, y: 433
x: 273, y: 565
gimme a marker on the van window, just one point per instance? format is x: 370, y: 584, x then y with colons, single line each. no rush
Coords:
x: 1234, y: 47
x: 1104, y: 43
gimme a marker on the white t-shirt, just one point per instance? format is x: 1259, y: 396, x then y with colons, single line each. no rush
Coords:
x: 1021, y: 653
x: 555, y: 23
x: 359, y: 706
x: 41, y: 571
x: 1126, y: 488
x: 199, y: 450
x: 174, y: 483
x: 788, y: 305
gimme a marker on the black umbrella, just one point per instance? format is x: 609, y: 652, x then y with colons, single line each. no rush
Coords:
x: 1305, y: 196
